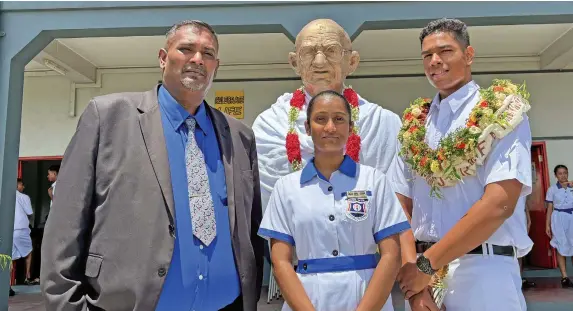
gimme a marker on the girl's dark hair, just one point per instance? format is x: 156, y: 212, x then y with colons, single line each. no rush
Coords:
x: 558, y: 167
x: 326, y: 94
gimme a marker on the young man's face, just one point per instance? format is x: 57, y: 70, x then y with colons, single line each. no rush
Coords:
x: 20, y: 187
x: 52, y: 176
x: 447, y: 64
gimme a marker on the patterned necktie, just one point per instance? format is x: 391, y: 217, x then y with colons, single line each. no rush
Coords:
x: 200, y: 200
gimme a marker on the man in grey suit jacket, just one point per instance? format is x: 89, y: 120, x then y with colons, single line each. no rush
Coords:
x: 158, y: 202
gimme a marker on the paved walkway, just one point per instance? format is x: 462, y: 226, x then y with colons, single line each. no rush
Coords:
x: 547, y: 296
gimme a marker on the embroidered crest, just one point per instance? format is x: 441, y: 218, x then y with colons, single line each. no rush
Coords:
x: 357, y: 205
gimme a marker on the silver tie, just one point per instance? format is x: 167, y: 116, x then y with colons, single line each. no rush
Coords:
x: 200, y: 200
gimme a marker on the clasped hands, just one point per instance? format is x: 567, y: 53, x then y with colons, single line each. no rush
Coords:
x: 414, y: 284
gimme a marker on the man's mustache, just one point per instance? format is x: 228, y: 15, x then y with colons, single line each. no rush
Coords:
x: 196, y: 68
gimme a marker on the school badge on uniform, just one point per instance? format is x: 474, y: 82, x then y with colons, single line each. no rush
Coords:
x: 357, y: 205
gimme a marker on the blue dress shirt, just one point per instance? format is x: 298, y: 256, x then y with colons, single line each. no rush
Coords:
x: 200, y: 277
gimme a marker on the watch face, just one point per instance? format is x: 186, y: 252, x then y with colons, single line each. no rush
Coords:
x: 424, y: 265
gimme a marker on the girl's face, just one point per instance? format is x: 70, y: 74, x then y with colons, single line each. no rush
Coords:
x: 329, y: 124
x: 562, y: 175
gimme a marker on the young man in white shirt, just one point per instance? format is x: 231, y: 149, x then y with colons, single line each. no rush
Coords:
x: 474, y: 226
x: 21, y: 241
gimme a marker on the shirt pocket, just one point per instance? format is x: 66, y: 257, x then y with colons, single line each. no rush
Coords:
x: 93, y: 265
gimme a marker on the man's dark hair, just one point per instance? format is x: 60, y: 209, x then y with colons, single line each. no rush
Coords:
x: 558, y: 167
x: 327, y: 94
x: 192, y: 24
x: 54, y: 168
x: 19, y: 180
x: 454, y: 26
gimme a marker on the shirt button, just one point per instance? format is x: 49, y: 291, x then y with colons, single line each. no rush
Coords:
x: 329, y: 188
x: 331, y: 217
x: 200, y: 276
x: 200, y: 246
x: 334, y: 253
x: 304, y: 266
x: 161, y: 272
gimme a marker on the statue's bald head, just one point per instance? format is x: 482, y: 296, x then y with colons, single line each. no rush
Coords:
x: 323, y: 28
x: 323, y: 56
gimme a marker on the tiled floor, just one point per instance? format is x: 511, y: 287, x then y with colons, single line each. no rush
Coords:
x: 547, y: 296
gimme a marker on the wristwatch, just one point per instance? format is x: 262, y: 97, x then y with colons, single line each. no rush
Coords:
x: 424, y: 265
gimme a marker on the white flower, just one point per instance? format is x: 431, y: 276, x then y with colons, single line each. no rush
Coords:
x: 512, y: 88
x: 416, y: 112
x: 487, y: 111
x: 475, y: 130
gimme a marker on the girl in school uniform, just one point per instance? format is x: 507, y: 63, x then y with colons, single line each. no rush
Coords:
x: 559, y: 226
x: 338, y: 214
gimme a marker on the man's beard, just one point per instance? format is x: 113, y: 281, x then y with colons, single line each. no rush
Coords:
x: 192, y: 84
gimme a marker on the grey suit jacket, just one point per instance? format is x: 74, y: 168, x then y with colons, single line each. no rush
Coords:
x: 109, y: 239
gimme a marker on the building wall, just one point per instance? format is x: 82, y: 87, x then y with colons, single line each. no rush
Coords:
x: 47, y: 127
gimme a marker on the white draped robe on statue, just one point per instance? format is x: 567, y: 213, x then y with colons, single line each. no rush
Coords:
x: 378, y: 130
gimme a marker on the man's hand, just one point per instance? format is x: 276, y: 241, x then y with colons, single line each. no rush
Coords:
x: 423, y: 301
x: 412, y: 280
x: 548, y: 231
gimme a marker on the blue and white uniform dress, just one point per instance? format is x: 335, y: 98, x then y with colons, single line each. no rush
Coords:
x: 335, y: 225
x: 561, y: 218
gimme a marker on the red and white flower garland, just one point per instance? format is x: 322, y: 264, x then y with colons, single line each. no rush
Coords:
x: 292, y: 140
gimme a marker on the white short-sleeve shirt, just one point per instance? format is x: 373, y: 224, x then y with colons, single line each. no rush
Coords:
x: 562, y: 198
x: 23, y: 209
x: 336, y: 221
x: 510, y: 158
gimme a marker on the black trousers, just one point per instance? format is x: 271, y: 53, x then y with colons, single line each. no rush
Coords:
x: 236, y: 305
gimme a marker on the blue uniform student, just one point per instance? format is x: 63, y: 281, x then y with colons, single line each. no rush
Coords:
x: 337, y: 213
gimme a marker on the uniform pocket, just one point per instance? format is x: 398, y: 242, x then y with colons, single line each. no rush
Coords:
x: 93, y: 265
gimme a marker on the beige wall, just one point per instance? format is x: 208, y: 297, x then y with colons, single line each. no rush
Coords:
x: 47, y: 127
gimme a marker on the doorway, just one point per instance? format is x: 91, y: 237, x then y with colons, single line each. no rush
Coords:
x: 34, y: 171
x: 542, y: 256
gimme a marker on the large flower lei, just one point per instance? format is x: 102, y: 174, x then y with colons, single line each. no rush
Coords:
x: 498, y: 111
x: 292, y: 141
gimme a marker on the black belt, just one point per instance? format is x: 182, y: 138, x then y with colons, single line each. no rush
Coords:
x: 497, y: 249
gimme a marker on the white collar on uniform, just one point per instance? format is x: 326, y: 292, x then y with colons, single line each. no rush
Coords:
x: 457, y: 98
x: 347, y: 167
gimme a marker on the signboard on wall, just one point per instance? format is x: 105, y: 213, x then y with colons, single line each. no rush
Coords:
x: 231, y: 103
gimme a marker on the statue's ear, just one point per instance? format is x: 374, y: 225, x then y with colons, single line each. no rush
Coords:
x: 354, y: 61
x: 293, y: 61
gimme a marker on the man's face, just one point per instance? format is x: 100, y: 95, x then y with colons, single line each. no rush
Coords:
x: 562, y: 175
x: 323, y: 57
x: 52, y: 176
x: 446, y: 63
x: 329, y: 124
x: 20, y: 187
x: 189, y: 62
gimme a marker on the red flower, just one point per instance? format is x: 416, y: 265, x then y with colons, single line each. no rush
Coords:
x: 483, y: 104
x: 460, y: 145
x: 470, y: 123
x: 409, y: 116
x: 298, y: 99
x: 498, y: 88
x: 414, y: 149
x: 412, y: 129
x: 353, y: 147
x: 293, y: 147
x: 423, y: 161
x: 351, y: 97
